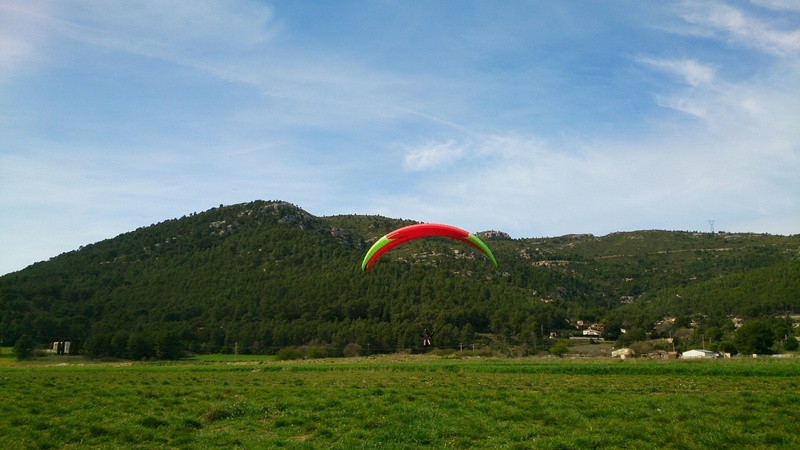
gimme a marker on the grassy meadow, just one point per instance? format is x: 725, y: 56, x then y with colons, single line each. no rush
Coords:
x: 401, y: 401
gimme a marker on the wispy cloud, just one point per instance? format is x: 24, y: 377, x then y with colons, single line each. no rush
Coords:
x: 178, y: 31
x: 692, y: 71
x: 779, y: 5
x: 432, y: 155
x: 20, y: 36
x: 739, y: 28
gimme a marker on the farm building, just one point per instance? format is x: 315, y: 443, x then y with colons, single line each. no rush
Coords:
x: 689, y: 354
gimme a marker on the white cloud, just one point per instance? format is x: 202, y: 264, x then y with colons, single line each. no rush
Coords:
x: 761, y: 104
x: 13, y: 54
x: 692, y: 71
x: 742, y: 29
x: 266, y: 103
x: 20, y: 35
x: 432, y: 155
x: 233, y: 41
x: 779, y: 5
x: 174, y: 30
x: 684, y: 105
x: 737, y: 165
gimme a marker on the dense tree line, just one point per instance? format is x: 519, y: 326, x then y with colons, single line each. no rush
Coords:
x: 262, y: 276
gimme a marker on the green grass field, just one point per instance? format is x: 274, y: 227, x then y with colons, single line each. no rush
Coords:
x: 230, y: 358
x: 408, y: 401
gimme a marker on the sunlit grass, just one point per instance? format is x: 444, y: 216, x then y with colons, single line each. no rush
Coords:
x: 404, y: 403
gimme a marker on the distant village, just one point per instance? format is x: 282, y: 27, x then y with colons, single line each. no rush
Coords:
x: 593, y: 332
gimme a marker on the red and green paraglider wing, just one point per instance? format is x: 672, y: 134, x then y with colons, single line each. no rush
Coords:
x: 411, y: 232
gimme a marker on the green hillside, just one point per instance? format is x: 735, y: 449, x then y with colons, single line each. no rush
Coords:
x: 261, y: 276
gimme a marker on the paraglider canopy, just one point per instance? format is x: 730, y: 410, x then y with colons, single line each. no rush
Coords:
x: 405, y: 234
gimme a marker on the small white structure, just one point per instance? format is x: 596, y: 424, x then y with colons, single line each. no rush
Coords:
x: 697, y: 353
x: 622, y: 353
x: 61, y: 347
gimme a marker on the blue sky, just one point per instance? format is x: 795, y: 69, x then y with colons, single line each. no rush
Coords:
x: 537, y: 118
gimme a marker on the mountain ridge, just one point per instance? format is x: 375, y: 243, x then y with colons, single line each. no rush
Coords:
x: 264, y: 275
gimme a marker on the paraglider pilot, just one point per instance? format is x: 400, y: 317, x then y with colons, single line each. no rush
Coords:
x: 426, y: 338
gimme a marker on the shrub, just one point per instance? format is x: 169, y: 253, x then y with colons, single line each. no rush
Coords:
x: 559, y: 349
x: 642, y: 347
x: 443, y: 351
x: 288, y: 353
x: 316, y: 352
x: 352, y: 349
x: 23, y: 348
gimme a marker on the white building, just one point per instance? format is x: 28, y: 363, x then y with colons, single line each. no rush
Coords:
x: 689, y: 354
x: 622, y: 353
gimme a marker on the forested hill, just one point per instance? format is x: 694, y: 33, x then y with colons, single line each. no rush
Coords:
x: 265, y: 275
